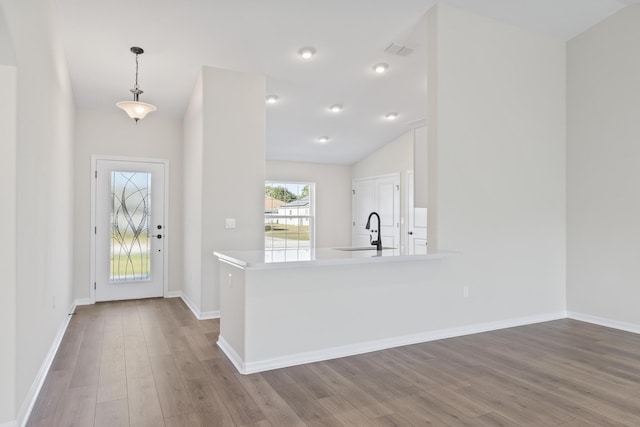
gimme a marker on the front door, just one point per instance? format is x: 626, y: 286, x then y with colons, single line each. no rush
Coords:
x: 129, y: 229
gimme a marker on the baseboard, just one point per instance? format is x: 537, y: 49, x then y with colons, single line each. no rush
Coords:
x: 609, y: 323
x: 206, y: 315
x: 171, y: 294
x: 89, y: 301
x: 200, y: 315
x: 231, y: 355
x: 32, y: 395
x: 194, y: 309
x: 367, y: 347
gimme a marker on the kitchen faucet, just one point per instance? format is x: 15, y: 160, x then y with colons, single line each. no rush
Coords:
x: 377, y: 243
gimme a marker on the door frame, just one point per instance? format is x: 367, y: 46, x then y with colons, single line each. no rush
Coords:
x: 411, y: 214
x: 166, y: 236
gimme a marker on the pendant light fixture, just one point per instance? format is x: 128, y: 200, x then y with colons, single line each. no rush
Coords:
x: 136, y: 109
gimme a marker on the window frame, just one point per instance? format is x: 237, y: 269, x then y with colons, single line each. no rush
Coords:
x: 310, y: 218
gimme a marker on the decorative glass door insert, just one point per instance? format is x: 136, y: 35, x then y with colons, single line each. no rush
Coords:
x: 130, y: 226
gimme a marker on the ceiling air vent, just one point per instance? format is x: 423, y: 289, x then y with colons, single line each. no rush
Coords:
x: 397, y: 49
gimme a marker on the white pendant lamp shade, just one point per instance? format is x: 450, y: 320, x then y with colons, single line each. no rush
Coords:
x: 135, y: 109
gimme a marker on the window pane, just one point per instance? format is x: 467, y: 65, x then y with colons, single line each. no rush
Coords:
x: 288, y: 216
x: 130, y: 226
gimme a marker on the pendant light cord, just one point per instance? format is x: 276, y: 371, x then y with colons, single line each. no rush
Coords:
x: 136, y: 85
x: 136, y: 88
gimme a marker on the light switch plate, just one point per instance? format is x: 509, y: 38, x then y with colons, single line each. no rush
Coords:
x: 230, y: 223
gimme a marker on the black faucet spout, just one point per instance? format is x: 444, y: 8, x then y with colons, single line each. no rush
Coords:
x: 378, y: 242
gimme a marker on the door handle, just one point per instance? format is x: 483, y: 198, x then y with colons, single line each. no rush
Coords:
x: 159, y: 236
x: 411, y: 233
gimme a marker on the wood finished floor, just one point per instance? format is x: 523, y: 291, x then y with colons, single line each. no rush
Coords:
x: 151, y: 363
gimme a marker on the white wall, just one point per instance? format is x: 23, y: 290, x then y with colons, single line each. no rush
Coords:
x: 44, y: 173
x: 332, y: 197
x: 232, y: 175
x: 115, y: 134
x: 8, y: 147
x: 192, y: 140
x: 394, y: 157
x: 8, y: 182
x: 498, y: 125
x: 603, y: 150
x: 7, y: 57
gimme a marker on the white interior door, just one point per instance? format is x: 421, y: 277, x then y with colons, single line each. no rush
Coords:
x: 363, y: 204
x: 129, y: 229
x: 381, y: 195
x: 417, y: 229
x: 388, y: 207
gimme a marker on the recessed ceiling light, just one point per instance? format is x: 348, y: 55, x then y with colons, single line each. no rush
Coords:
x: 323, y: 139
x: 336, y: 108
x: 272, y: 99
x: 307, y: 52
x: 391, y: 116
x: 380, y: 68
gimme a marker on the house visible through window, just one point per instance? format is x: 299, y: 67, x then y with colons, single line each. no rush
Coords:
x: 288, y: 220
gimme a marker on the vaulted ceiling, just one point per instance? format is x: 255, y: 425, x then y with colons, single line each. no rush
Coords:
x: 264, y: 36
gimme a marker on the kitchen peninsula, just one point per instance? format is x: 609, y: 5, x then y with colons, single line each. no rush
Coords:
x: 283, y: 308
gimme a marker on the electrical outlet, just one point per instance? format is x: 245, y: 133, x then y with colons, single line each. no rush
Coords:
x: 230, y: 223
x: 465, y: 292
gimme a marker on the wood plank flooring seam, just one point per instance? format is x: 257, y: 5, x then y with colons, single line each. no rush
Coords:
x: 562, y: 373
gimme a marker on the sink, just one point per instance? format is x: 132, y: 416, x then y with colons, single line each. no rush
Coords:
x: 361, y: 248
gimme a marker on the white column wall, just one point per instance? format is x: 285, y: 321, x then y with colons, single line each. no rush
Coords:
x: 233, y: 170
x: 603, y: 148
x: 333, y: 197
x: 497, y: 137
x: 192, y: 140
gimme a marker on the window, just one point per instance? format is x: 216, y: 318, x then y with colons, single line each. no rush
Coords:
x: 288, y: 220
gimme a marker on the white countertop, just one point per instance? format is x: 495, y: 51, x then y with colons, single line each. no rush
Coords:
x: 286, y: 258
